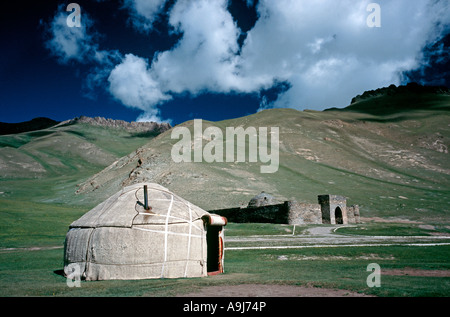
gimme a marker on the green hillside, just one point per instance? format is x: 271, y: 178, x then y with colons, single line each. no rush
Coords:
x: 47, y: 164
x: 393, y: 100
x: 394, y: 165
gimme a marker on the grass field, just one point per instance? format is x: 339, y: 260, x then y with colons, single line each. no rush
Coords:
x: 31, y: 260
x: 35, y: 273
x: 392, y: 163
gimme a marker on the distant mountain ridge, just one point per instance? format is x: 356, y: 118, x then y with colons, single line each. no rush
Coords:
x: 74, y: 148
x: 410, y: 96
x: 112, y: 123
x: 27, y: 126
x: 393, y: 99
x: 393, y: 90
x: 45, y: 123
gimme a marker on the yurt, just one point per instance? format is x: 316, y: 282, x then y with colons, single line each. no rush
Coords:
x: 143, y: 232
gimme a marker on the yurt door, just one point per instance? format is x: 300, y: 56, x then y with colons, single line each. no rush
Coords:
x: 214, y: 239
x: 214, y: 254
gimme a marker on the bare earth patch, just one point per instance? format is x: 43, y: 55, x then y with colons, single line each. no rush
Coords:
x: 416, y: 272
x: 257, y: 290
x: 388, y: 220
x: 8, y: 250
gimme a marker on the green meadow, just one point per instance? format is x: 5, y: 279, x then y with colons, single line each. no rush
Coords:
x: 31, y: 262
x: 388, y: 153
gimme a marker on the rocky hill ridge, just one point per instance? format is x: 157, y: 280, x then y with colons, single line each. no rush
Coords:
x: 411, y: 88
x: 112, y: 123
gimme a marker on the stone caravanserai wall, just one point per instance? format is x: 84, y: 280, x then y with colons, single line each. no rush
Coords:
x: 331, y: 209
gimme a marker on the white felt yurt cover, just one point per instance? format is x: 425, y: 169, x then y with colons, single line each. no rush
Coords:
x: 120, y: 239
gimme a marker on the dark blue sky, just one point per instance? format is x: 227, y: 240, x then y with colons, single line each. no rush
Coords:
x: 33, y: 83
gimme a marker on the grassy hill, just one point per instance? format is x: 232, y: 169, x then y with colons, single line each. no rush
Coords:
x: 392, y: 99
x: 393, y: 165
x: 45, y: 165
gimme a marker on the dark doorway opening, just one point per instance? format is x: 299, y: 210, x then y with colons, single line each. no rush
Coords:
x: 338, y: 216
x: 213, y: 242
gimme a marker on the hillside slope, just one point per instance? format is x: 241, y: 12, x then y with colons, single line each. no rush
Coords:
x: 391, y: 165
x: 35, y: 164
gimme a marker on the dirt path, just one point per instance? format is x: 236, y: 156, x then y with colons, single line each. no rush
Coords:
x: 313, y: 238
x: 328, y: 237
x: 259, y: 290
x: 7, y: 250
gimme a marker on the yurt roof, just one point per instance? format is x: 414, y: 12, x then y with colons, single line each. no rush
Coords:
x: 126, y: 208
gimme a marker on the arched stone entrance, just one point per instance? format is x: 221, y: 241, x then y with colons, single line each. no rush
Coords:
x: 334, y: 209
x: 338, y: 216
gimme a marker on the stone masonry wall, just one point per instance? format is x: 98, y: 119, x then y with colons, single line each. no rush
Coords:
x: 264, y: 214
x: 301, y: 213
x: 294, y: 213
x: 353, y: 214
x: 290, y: 212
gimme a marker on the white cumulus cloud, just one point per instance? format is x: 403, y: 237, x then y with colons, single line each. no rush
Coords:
x: 323, y: 50
x: 131, y: 82
x: 205, y: 57
x: 328, y: 54
x: 76, y: 43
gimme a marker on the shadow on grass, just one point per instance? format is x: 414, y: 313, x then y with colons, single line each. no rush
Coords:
x: 59, y: 272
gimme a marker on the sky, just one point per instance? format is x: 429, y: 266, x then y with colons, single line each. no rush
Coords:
x: 178, y: 60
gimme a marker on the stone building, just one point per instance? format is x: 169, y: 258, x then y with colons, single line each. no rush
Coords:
x: 262, y: 199
x: 334, y: 209
x: 264, y: 208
